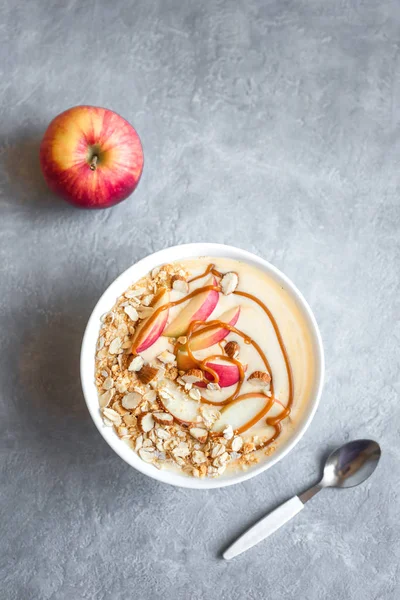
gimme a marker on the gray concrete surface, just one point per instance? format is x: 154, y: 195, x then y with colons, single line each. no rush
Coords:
x: 273, y: 125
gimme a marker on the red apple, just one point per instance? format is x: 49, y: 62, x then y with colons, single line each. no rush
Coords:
x: 149, y: 331
x: 91, y: 157
x: 199, y: 308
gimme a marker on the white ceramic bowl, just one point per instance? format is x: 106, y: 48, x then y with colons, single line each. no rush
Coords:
x: 106, y: 302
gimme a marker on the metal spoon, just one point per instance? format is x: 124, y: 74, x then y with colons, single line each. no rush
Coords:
x: 347, y: 466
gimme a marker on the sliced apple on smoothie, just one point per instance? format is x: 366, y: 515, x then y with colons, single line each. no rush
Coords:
x: 199, y: 308
x: 200, y: 340
x: 241, y: 412
x: 177, y: 402
x: 228, y: 374
x: 150, y: 329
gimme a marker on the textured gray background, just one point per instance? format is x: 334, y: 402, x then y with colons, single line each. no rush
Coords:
x: 271, y: 125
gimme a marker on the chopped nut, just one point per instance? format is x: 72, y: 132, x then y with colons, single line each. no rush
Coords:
x: 163, y: 418
x: 229, y: 283
x: 166, y: 357
x: 199, y: 434
x: 217, y: 450
x: 260, y: 378
x: 182, y: 339
x: 145, y: 422
x: 136, y: 364
x: 232, y: 349
x: 195, y: 394
x: 198, y: 457
x: 115, y: 345
x: 179, y: 284
x: 131, y: 400
x: 131, y: 312
x: 192, y: 376
x: 228, y: 432
x: 236, y: 443
x: 147, y: 374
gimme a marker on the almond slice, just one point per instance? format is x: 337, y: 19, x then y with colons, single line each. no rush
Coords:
x: 147, y: 374
x: 192, y: 376
x: 115, y: 345
x: 163, y: 418
x: 145, y: 422
x: 229, y: 283
x: 236, y: 443
x: 166, y: 357
x: 179, y: 284
x: 260, y: 378
x: 199, y: 434
x: 136, y: 364
x: 131, y: 400
x: 232, y: 349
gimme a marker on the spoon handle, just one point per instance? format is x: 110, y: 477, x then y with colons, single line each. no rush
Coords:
x: 265, y: 527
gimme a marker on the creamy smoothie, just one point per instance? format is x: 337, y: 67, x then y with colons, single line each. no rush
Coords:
x: 204, y: 366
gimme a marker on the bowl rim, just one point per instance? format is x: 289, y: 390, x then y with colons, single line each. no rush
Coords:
x: 106, y: 301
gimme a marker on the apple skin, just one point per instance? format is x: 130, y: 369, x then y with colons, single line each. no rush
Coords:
x: 199, y: 308
x: 228, y: 375
x: 209, y: 338
x: 67, y: 150
x: 146, y: 336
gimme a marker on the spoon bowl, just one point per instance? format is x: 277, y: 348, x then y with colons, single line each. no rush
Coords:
x: 351, y: 464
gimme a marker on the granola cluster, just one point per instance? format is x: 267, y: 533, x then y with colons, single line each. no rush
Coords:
x: 134, y: 394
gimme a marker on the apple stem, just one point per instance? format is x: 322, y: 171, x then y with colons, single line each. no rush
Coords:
x: 93, y: 164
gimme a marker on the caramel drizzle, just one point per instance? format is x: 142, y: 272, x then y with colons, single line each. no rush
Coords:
x: 194, y: 331
x: 275, y: 422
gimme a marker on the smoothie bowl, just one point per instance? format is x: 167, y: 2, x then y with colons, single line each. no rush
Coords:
x: 202, y: 365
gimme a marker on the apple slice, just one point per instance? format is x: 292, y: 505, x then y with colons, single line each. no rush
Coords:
x: 150, y: 330
x: 241, y: 412
x: 199, y: 308
x: 200, y: 340
x: 228, y: 374
x: 177, y: 402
